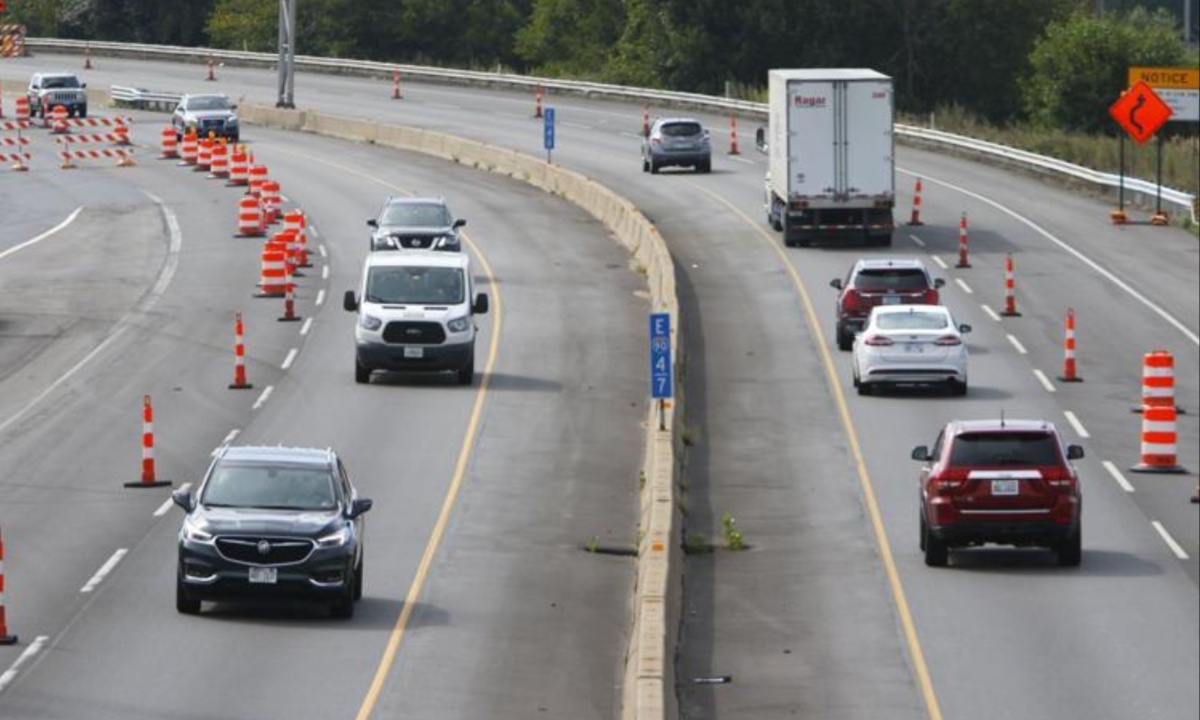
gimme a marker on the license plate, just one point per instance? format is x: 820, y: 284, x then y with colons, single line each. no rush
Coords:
x: 914, y: 347
x: 414, y: 352
x: 264, y: 575
x: 1005, y: 487
x: 891, y: 299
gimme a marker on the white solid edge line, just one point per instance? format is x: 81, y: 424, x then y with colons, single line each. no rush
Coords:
x: 941, y: 263
x: 917, y: 240
x: 33, y: 649
x: 965, y: 287
x: 266, y: 393
x: 291, y: 358
x: 1188, y: 333
x: 991, y: 313
x: 1170, y: 541
x: 162, y: 509
x: 304, y: 328
x: 1118, y: 476
x: 1041, y: 376
x: 320, y: 297
x: 33, y: 241
x: 104, y: 570
x: 1017, y: 344
x: 1079, y: 428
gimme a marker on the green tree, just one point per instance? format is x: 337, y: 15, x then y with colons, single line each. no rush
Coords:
x: 571, y: 37
x: 1080, y: 65
x: 248, y: 25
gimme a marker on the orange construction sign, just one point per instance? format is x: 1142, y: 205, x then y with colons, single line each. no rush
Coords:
x: 1140, y: 111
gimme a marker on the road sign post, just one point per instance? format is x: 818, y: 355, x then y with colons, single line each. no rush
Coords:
x: 548, y: 134
x: 662, y: 383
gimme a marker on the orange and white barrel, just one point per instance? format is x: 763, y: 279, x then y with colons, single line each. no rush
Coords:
x: 273, y: 278
x: 219, y: 167
x: 258, y: 176
x: 121, y: 133
x: 22, y: 108
x: 58, y: 123
x: 296, y: 221
x: 251, y: 222
x: 204, y: 156
x: 1158, y: 379
x: 168, y: 143
x: 1160, y: 441
x: 272, y: 200
x: 239, y: 168
x: 190, y: 149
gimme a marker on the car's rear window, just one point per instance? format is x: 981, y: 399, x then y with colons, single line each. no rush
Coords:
x: 911, y: 321
x: 281, y: 487
x: 1005, y: 448
x: 681, y: 129
x: 891, y: 280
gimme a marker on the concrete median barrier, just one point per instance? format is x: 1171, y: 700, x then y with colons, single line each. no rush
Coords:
x: 649, y: 677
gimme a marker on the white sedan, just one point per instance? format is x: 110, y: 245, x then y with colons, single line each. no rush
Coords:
x: 910, y: 345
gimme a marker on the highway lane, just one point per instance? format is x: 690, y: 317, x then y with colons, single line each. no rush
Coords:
x: 547, y: 470
x: 1127, y: 329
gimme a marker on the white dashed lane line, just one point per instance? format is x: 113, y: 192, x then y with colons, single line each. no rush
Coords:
x: 1118, y: 476
x: 991, y: 313
x: 231, y: 436
x: 1079, y: 428
x: 1045, y: 381
x: 1170, y: 541
x: 320, y: 298
x: 1017, y: 344
x: 262, y: 399
x: 323, y: 251
x: 325, y: 272
x: 306, y: 327
x: 25, y: 657
x: 941, y: 263
x: 919, y: 242
x: 291, y: 358
x: 965, y: 287
x: 104, y: 570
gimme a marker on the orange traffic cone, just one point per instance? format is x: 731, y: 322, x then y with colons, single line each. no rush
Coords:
x: 148, y: 477
x: 239, y: 356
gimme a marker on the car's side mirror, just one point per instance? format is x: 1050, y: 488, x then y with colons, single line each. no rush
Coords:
x: 964, y: 328
x: 1074, y: 452
x: 459, y: 223
x: 373, y: 223
x: 836, y: 283
x: 184, y: 499
x: 349, y: 302
x: 359, y: 506
x: 233, y: 106
x: 480, y: 306
x: 921, y: 453
x: 939, y: 283
x: 760, y: 139
x: 82, y: 85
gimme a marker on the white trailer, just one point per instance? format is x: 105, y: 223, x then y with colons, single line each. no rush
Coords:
x: 831, y: 170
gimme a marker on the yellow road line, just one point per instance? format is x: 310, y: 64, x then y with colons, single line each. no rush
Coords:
x: 864, y: 479
x: 460, y: 468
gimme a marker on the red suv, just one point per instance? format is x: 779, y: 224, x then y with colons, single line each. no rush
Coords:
x: 883, y: 281
x: 1008, y: 482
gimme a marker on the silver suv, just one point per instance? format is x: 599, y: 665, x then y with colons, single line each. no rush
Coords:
x: 678, y: 142
x: 50, y: 89
x: 210, y: 114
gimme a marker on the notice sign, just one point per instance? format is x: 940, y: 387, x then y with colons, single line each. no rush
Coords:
x: 1140, y: 112
x: 1178, y: 87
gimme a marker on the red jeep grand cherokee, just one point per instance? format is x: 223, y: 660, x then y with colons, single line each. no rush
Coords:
x: 1007, y: 482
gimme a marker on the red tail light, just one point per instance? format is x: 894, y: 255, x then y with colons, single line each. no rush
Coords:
x: 1061, y: 481
x: 931, y: 297
x: 878, y: 340
x: 948, y: 340
x: 852, y: 301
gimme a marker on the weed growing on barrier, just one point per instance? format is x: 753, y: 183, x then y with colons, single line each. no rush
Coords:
x: 641, y: 479
x: 697, y: 544
x: 733, y: 536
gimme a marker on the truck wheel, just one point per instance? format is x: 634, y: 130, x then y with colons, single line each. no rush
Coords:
x: 362, y: 375
x: 466, y: 375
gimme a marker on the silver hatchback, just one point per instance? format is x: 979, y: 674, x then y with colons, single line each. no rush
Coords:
x: 677, y: 142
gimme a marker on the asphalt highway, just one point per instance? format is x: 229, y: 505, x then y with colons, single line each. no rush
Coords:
x: 831, y: 612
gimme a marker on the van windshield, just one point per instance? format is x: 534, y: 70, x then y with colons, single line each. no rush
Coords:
x: 415, y: 286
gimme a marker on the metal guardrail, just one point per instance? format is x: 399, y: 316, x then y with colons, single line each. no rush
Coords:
x: 144, y: 99
x: 693, y: 101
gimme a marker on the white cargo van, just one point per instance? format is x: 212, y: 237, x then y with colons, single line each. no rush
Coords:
x: 416, y: 312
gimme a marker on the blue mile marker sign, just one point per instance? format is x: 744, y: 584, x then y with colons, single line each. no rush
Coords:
x: 661, y: 381
x: 548, y: 129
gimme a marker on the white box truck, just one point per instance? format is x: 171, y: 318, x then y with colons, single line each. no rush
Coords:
x: 831, y: 169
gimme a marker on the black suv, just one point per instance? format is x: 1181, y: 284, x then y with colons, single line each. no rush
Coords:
x: 48, y: 90
x: 883, y: 281
x: 415, y: 223
x: 271, y: 522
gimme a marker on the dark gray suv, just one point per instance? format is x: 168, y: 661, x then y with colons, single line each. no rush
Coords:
x: 415, y: 223
x: 271, y: 523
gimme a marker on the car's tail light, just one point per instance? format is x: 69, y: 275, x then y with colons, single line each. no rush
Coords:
x: 852, y: 302
x: 946, y: 484
x: 878, y: 340
x: 1061, y: 481
x: 931, y: 297
x: 948, y: 340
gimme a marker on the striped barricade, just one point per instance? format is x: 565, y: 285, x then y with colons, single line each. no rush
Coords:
x: 111, y: 138
x: 69, y: 156
x: 15, y: 151
x: 12, y: 40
